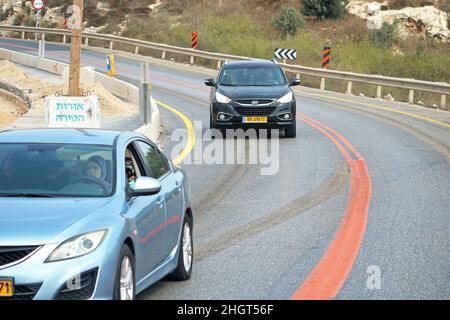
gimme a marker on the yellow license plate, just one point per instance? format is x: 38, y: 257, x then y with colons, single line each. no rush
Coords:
x: 6, y: 287
x: 254, y: 120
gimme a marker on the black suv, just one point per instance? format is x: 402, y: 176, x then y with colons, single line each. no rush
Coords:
x: 253, y: 93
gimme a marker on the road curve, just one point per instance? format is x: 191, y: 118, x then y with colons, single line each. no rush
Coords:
x: 260, y: 237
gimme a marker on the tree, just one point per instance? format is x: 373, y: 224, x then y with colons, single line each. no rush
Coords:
x: 384, y: 37
x: 288, y: 21
x: 324, y: 9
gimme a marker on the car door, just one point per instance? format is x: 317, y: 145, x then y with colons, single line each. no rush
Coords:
x: 149, y: 213
x: 172, y: 190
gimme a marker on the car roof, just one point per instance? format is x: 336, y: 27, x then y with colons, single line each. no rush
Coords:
x: 77, y: 136
x: 250, y: 64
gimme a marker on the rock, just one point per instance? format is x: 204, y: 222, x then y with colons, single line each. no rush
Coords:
x: 362, y: 95
x: 373, y: 8
x: 363, y: 9
x: 389, y: 97
x: 54, y: 16
x: 156, y: 5
x: 421, y: 103
x: 7, y: 5
x: 435, y: 106
x: 17, y: 6
x: 423, y: 21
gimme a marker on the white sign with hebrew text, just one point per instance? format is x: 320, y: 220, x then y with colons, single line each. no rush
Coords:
x: 73, y: 112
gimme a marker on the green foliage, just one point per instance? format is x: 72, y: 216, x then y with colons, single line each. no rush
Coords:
x: 288, y: 21
x: 324, y: 9
x: 384, y: 37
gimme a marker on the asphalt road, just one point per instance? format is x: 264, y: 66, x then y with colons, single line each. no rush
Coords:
x: 259, y: 237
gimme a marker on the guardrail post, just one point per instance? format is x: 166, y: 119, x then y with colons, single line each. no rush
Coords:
x: 192, y: 59
x: 111, y: 45
x: 43, y: 37
x: 411, y: 96
x: 163, y: 55
x: 219, y: 64
x: 41, y: 52
x: 64, y: 39
x: 145, y: 108
x: 322, y: 83
x: 349, y: 87
x: 23, y: 35
x: 86, y: 42
x: 136, y: 50
x: 443, y: 102
x: 379, y: 92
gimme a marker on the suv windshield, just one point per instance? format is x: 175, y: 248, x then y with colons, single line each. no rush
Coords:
x: 256, y: 76
x: 55, y: 170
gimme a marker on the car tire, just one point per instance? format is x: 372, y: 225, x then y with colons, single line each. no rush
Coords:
x: 124, y: 266
x: 291, y: 132
x: 183, y: 270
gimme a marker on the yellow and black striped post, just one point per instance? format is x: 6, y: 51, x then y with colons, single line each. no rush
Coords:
x: 326, y: 57
x: 194, y: 39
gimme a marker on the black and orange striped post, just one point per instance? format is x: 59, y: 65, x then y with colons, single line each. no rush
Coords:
x: 326, y: 57
x: 194, y: 39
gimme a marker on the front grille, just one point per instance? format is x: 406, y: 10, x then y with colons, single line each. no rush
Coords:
x: 250, y: 102
x: 81, y: 288
x: 24, y: 292
x: 10, y: 255
x: 255, y: 111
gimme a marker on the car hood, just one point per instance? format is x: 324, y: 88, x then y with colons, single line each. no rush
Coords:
x: 253, y: 92
x: 25, y: 221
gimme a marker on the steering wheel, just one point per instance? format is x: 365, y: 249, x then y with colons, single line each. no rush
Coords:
x: 91, y: 180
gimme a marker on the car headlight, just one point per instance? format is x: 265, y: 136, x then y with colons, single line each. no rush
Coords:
x: 77, y: 246
x: 286, y: 98
x: 221, y: 98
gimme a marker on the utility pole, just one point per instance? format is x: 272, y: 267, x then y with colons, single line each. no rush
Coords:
x: 75, y: 49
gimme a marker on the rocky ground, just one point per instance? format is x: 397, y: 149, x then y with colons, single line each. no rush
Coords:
x: 11, y: 108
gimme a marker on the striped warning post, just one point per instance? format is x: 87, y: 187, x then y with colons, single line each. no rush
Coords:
x: 326, y: 58
x: 194, y: 39
x: 66, y: 23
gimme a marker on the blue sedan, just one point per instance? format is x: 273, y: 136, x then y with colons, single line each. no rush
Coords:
x: 89, y: 214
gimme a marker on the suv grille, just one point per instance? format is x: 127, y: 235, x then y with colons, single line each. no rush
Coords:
x: 249, y: 102
x: 24, y: 292
x: 10, y: 255
x: 255, y: 111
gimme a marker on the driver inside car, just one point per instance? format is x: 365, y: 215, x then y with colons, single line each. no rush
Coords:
x: 96, y: 168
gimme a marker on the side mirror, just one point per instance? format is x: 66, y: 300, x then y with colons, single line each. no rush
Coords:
x: 210, y: 83
x: 294, y: 82
x: 146, y: 186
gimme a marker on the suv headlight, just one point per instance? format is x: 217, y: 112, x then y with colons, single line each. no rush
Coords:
x: 77, y: 246
x: 286, y: 98
x: 221, y: 98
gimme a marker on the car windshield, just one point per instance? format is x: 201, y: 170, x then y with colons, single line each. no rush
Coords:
x: 55, y: 170
x: 260, y: 76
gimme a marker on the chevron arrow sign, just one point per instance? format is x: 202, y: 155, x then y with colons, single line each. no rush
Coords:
x: 286, y: 54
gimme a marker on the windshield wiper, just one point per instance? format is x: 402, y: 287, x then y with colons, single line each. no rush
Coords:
x: 25, y: 195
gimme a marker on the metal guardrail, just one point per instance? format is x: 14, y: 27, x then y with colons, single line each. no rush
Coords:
x: 380, y: 81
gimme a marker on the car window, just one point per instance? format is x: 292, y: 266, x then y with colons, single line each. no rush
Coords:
x: 251, y: 76
x: 60, y: 170
x: 156, y: 163
x: 133, y: 166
